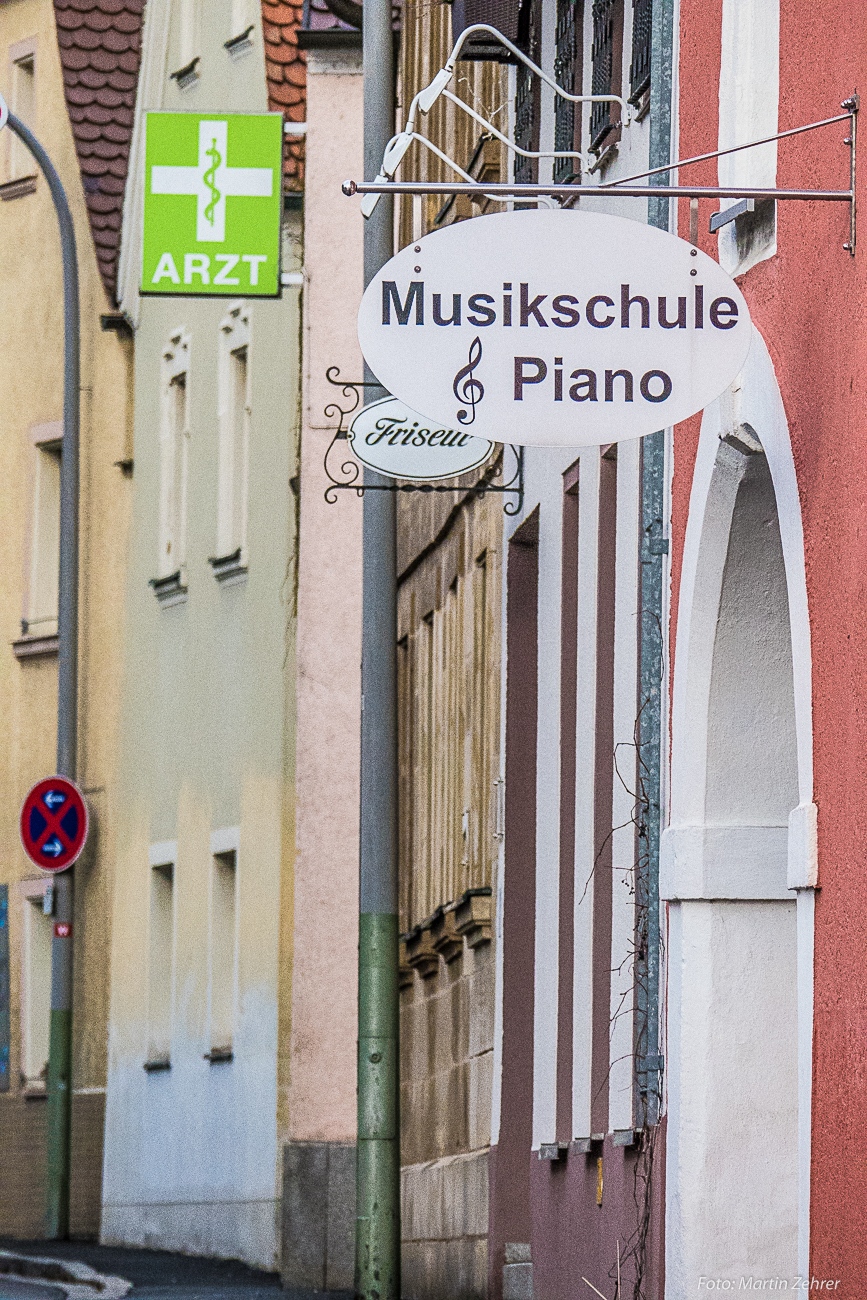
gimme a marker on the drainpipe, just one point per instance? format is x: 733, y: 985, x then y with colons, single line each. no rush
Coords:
x: 653, y: 548
x: 60, y: 1048
x: 377, y: 1245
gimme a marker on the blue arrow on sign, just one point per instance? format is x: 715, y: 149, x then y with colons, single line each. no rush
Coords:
x: 54, y: 799
x: 53, y: 847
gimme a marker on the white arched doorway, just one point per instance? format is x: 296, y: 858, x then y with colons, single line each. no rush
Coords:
x: 738, y: 861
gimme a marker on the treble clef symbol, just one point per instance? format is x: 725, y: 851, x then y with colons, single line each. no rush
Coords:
x: 216, y: 158
x: 465, y: 387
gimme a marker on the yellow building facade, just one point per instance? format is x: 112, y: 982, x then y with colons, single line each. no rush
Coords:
x: 31, y: 383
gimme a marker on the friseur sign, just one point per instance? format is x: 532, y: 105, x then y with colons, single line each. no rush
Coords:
x: 398, y: 442
x: 554, y: 328
x: 212, y: 204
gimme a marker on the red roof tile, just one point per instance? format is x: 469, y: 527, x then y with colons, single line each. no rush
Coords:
x: 100, y: 52
x: 286, y: 69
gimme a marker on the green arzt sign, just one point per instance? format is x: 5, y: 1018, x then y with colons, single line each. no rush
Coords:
x: 212, y: 204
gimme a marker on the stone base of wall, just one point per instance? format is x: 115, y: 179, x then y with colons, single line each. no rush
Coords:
x: 318, y: 1218
x: 242, y: 1230
x: 444, y: 1253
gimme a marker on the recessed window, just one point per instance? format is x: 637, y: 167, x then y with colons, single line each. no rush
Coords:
x: 607, y: 64
x: 242, y: 23
x: 235, y: 407
x: 223, y: 957
x: 170, y: 582
x: 188, y: 33
x: 23, y: 105
x: 35, y: 992
x: 160, y: 963
x: 40, y: 615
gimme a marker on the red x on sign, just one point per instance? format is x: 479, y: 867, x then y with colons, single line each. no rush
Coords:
x: 54, y: 823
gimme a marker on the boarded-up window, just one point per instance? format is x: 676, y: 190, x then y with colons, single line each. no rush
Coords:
x: 448, y: 735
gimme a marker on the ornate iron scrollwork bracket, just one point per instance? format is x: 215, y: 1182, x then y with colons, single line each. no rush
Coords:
x: 344, y: 472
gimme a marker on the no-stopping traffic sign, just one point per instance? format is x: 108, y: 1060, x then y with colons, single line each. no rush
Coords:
x: 54, y: 823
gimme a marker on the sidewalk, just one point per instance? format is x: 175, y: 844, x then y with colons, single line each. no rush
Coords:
x: 154, y: 1274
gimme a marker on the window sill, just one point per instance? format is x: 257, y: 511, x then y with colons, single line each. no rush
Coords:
x: 220, y: 1055
x: 188, y: 75
x: 18, y: 188
x: 641, y: 104
x: 626, y: 1137
x: 229, y: 569
x: 605, y: 156
x: 171, y: 590
x: 157, y: 1064
x: 588, y: 1146
x: 237, y: 46
x: 36, y: 647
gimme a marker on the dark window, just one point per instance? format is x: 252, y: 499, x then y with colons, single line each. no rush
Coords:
x: 502, y: 14
x: 527, y: 92
x: 607, y: 66
x: 642, y: 25
x: 567, y: 73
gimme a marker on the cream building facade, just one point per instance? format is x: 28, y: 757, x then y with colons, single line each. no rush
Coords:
x: 201, y: 953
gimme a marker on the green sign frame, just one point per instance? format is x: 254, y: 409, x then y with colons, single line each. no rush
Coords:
x: 213, y: 199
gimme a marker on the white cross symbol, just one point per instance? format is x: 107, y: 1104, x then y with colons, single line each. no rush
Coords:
x: 212, y: 182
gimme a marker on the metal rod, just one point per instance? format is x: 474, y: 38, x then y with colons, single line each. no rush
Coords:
x: 853, y: 105
x: 735, y: 148
x: 60, y: 1044
x: 377, y: 1242
x: 591, y: 191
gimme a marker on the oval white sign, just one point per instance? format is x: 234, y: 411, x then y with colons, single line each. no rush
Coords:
x: 554, y: 328
x: 398, y: 442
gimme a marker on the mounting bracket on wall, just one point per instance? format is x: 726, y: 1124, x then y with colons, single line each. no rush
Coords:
x: 503, y: 473
x: 568, y: 194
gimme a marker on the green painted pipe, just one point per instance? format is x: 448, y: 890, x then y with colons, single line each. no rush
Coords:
x: 378, y: 1209
x: 59, y: 1099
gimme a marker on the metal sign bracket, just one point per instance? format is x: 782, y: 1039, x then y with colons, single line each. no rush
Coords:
x: 345, y: 475
x: 567, y: 194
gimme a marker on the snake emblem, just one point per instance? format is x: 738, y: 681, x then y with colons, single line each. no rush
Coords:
x: 216, y: 158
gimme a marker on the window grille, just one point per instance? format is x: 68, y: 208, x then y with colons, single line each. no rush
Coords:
x: 642, y: 26
x: 527, y: 92
x: 605, y: 25
x: 566, y: 62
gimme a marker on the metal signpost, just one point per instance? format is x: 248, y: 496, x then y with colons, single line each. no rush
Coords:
x: 213, y: 204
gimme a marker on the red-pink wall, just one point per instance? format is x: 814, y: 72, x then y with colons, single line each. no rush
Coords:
x: 810, y: 302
